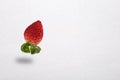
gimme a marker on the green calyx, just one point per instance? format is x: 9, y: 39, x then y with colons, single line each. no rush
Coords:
x: 30, y: 48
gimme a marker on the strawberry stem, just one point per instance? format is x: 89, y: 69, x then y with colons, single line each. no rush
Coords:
x: 30, y: 48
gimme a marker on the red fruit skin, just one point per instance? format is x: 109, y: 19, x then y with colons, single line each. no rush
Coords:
x: 34, y: 33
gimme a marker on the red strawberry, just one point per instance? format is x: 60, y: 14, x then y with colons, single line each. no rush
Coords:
x: 33, y: 36
x: 34, y: 33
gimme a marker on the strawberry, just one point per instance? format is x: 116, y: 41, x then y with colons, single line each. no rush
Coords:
x: 33, y: 36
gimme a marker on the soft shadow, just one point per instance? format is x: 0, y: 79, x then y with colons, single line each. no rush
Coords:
x: 24, y: 60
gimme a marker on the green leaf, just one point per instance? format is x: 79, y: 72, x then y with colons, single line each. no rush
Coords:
x: 37, y: 49
x: 30, y: 48
x: 34, y: 49
x: 25, y: 47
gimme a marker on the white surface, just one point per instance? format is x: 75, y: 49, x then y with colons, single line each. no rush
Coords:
x: 81, y: 40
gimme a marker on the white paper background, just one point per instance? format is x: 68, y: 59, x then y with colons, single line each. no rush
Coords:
x: 81, y: 40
